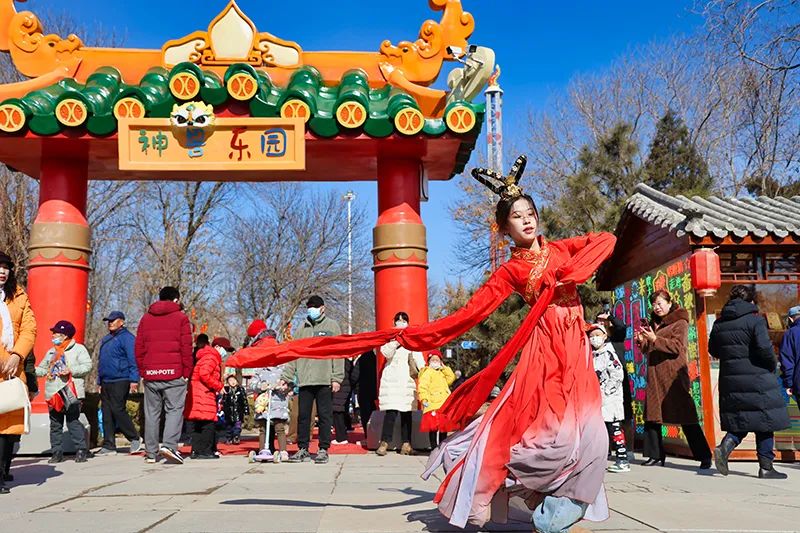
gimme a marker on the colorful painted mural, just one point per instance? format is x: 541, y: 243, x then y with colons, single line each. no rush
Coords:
x: 631, y: 303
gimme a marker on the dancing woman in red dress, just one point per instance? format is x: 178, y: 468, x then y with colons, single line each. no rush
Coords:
x: 542, y: 444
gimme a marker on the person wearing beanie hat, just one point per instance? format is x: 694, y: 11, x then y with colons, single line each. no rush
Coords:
x: 256, y: 327
x: 17, y: 335
x: 611, y: 376
x: 64, y: 367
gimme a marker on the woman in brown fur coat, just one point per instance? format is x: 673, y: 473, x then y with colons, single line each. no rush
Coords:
x: 668, y: 399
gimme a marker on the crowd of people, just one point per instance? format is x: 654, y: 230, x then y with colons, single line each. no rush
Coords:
x: 183, y: 381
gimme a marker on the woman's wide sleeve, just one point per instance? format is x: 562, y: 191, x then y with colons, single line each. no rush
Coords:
x: 587, y: 253
x: 439, y: 332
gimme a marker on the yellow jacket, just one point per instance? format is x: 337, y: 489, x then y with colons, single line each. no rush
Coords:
x: 434, y: 387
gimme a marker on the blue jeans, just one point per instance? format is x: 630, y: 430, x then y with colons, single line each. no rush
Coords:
x: 557, y: 514
x: 765, y: 442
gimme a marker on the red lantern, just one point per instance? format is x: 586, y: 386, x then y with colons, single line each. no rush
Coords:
x: 706, y: 272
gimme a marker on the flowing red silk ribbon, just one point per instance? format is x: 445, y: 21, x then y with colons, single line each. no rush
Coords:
x: 465, y: 401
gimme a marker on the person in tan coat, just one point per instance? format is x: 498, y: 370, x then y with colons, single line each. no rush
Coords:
x: 17, y: 335
x: 668, y: 399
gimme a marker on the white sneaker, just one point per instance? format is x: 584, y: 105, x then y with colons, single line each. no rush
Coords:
x: 284, y: 456
x: 619, y: 467
x: 340, y: 442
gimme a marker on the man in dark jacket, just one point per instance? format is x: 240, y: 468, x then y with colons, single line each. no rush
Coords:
x: 790, y: 355
x: 164, y: 357
x: 117, y: 375
x: 750, y: 398
x: 317, y: 380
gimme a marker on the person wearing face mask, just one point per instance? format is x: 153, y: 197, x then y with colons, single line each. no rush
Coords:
x: 64, y: 367
x: 433, y: 389
x: 609, y: 372
x: 397, y: 393
x: 317, y: 379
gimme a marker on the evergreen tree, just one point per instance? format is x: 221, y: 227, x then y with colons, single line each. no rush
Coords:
x: 674, y: 165
x: 596, y: 193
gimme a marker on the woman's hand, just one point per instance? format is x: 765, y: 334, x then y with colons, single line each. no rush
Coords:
x: 648, y: 334
x: 9, y: 368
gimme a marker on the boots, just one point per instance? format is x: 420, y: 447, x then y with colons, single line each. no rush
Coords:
x: 405, y: 449
x: 766, y: 471
x: 722, y: 452
x: 383, y: 447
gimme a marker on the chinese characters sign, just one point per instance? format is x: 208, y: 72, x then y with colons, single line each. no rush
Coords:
x: 231, y: 144
x: 631, y: 303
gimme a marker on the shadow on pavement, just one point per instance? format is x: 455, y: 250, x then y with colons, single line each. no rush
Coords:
x: 420, y: 496
x: 435, y: 522
x: 32, y: 474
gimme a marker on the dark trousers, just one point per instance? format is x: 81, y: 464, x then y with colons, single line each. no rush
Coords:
x: 204, y: 437
x: 113, y: 397
x: 322, y: 396
x: 76, y: 430
x: 6, y: 452
x: 340, y: 425
x: 234, y: 429
x: 617, y: 437
x: 364, y: 412
x: 654, y: 441
x: 765, y: 442
x: 388, y: 425
x: 436, y: 438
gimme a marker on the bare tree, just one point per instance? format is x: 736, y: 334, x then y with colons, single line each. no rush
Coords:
x: 293, y: 243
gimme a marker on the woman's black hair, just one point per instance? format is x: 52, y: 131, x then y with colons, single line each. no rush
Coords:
x: 743, y: 292
x: 10, y: 287
x: 402, y: 315
x: 666, y: 296
x: 503, y: 209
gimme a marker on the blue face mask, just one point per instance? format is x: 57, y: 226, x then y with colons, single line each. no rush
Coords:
x: 314, y: 313
x: 58, y: 341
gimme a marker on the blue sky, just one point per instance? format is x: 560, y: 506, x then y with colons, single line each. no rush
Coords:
x: 539, y: 44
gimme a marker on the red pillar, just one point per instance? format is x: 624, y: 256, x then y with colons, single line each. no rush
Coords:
x: 58, y: 270
x: 400, y: 250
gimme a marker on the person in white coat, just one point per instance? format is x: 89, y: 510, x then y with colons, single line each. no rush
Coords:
x: 398, y: 389
x: 611, y: 375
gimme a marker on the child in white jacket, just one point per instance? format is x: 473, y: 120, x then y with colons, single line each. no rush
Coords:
x: 610, y: 373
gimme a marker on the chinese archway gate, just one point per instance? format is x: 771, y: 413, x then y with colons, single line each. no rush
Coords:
x: 233, y: 103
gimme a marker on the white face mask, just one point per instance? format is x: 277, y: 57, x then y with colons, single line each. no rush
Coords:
x: 399, y: 324
x: 597, y: 341
x: 436, y: 365
x: 222, y: 351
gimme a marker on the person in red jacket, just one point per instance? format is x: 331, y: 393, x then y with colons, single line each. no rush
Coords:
x: 201, y: 402
x: 164, y: 357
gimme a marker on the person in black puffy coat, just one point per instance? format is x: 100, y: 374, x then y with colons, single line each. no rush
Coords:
x: 236, y: 408
x: 750, y: 396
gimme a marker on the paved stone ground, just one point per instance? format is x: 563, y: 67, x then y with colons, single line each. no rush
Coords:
x: 357, y: 494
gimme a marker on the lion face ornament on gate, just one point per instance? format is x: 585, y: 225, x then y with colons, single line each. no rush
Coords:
x: 192, y: 115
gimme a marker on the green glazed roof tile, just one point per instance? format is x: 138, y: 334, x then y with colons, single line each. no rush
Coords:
x: 105, y: 87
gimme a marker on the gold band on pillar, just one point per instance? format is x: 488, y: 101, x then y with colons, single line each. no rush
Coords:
x: 53, y: 242
x: 399, y: 245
